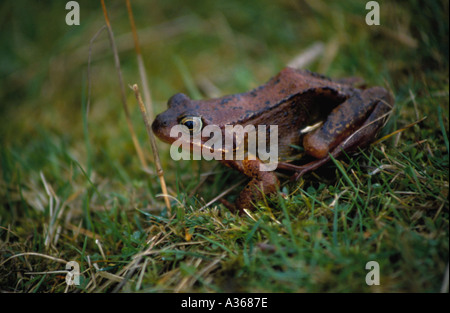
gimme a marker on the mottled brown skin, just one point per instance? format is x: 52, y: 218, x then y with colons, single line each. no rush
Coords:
x: 293, y: 99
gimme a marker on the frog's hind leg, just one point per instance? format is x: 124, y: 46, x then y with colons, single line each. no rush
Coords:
x: 330, y: 140
x: 358, y: 118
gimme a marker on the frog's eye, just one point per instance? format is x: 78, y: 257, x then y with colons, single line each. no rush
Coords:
x: 193, y: 123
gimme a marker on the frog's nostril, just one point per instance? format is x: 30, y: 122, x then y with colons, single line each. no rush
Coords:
x: 156, y: 125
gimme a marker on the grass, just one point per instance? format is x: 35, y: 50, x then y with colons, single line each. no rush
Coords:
x: 72, y: 189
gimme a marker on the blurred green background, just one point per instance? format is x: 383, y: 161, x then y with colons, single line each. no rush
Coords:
x: 234, y: 45
x: 199, y: 48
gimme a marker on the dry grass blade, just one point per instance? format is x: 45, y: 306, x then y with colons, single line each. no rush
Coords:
x: 146, y: 105
x: 91, y: 42
x: 35, y: 254
x: 55, y: 210
x: 142, y: 72
x: 122, y: 89
x: 307, y: 56
x: 398, y: 131
x: 159, y: 169
x: 223, y: 194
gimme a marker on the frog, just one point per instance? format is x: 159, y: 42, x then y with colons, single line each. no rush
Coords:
x: 318, y: 118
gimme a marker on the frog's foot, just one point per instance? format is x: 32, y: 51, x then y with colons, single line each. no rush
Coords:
x: 262, y: 183
x: 352, y: 124
x: 302, y: 169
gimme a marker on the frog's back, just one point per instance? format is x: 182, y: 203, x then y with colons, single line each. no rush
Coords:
x: 259, y: 103
x: 290, y: 83
x: 292, y: 100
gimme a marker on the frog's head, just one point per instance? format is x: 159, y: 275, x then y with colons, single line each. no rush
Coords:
x: 183, y: 111
x: 164, y: 122
x: 204, y: 121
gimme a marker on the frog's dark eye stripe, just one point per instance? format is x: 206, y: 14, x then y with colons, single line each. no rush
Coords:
x: 193, y: 123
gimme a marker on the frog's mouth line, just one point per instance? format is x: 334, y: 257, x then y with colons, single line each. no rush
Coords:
x: 233, y: 142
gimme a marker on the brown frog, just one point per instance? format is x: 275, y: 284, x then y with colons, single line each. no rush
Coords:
x: 346, y: 117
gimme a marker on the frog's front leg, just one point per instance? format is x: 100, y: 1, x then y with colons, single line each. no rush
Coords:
x: 261, y: 183
x: 351, y: 119
x: 352, y: 124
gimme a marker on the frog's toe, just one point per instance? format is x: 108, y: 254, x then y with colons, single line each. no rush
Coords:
x: 316, y: 145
